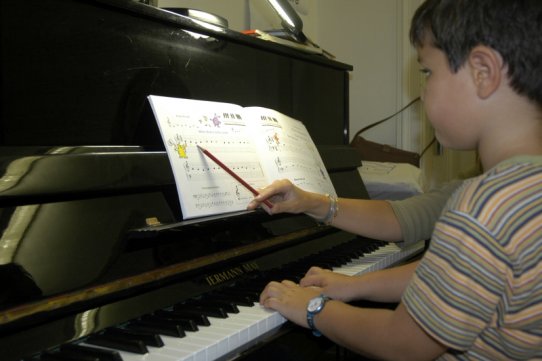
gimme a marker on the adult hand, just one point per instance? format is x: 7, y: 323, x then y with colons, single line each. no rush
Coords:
x: 285, y: 197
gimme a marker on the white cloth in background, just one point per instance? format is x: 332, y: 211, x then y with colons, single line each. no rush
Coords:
x: 385, y: 180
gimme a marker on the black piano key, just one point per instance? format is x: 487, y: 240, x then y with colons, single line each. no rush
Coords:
x: 355, y: 254
x: 240, y: 300
x: 101, y: 354
x: 172, y: 318
x: 254, y: 290
x: 349, y: 257
x: 199, y: 318
x: 203, y: 310
x: 118, y: 342
x: 229, y: 307
x: 63, y: 356
x: 162, y: 328
x: 240, y: 291
x: 148, y: 338
x: 255, y: 286
x: 341, y: 259
x: 329, y: 262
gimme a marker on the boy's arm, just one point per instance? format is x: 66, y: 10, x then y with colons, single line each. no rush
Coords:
x: 378, y: 333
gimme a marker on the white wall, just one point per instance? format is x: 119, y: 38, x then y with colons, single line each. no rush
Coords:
x: 364, y: 34
x: 371, y: 35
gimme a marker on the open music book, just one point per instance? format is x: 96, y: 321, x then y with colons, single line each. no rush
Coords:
x: 258, y: 144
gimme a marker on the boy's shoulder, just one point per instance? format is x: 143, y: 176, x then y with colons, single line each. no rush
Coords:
x: 505, y: 184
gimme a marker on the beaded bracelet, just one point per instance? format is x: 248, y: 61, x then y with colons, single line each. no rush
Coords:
x: 332, y: 212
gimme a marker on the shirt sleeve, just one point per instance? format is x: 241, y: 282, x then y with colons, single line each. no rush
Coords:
x: 417, y: 215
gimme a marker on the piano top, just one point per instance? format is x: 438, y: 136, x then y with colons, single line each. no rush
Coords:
x: 219, y: 32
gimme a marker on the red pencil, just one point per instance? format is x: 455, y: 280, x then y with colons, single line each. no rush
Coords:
x: 233, y: 174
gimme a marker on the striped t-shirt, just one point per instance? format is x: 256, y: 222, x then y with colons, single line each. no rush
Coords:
x: 478, y: 289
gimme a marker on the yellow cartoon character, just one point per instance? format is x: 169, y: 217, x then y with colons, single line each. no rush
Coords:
x: 179, y: 146
x: 181, y: 150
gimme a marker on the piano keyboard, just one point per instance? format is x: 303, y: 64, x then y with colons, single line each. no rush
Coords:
x: 383, y: 257
x: 224, y: 336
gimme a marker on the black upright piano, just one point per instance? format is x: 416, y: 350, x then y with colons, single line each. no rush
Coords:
x: 96, y: 262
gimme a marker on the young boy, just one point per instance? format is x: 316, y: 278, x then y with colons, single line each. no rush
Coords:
x: 477, y: 292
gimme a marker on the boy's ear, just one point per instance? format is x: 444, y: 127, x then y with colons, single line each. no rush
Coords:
x: 487, y: 70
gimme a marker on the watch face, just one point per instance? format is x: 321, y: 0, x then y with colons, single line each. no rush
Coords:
x: 314, y: 304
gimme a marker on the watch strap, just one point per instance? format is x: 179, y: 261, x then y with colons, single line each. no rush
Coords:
x: 310, y: 316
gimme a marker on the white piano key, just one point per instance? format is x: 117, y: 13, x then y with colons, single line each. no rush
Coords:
x: 155, y: 356
x: 236, y: 326
x: 202, y: 347
x: 197, y: 347
x: 381, y: 258
x: 231, y: 338
x: 216, y: 344
x: 251, y: 328
x: 243, y: 327
x: 237, y: 329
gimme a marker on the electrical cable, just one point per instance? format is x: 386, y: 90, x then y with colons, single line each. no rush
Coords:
x: 389, y: 117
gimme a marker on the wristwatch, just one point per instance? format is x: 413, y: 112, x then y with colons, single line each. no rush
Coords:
x: 315, y: 306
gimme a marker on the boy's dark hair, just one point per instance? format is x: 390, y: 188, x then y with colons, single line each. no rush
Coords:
x: 511, y: 27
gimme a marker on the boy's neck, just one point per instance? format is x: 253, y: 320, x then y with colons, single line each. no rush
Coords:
x: 511, y: 136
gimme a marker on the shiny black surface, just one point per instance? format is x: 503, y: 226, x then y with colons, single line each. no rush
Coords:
x: 78, y: 217
x: 77, y: 72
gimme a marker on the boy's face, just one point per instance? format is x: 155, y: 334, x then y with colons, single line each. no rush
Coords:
x: 448, y: 99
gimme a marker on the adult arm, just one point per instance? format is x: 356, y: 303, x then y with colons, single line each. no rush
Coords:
x: 370, y: 218
x: 407, y: 220
x: 385, y: 285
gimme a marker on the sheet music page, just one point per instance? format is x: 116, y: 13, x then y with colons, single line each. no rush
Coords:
x: 287, y: 151
x: 204, y: 188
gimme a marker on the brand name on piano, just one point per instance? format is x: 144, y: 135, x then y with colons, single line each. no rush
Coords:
x: 231, y: 273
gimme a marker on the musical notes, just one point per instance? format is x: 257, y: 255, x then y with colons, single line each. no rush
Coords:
x: 258, y: 144
x: 213, y: 199
x: 202, y: 171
